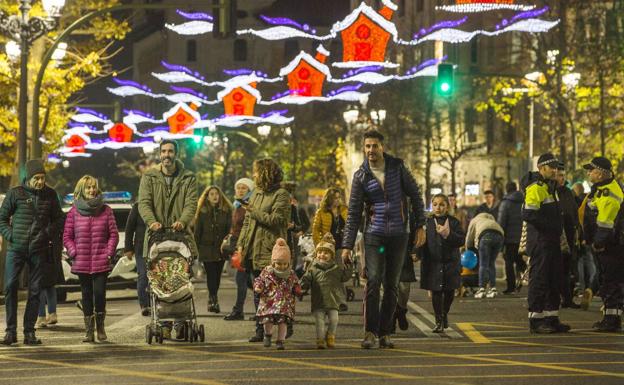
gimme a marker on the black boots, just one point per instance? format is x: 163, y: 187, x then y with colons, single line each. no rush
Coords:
x: 235, y: 316
x: 445, y: 320
x: 213, y: 304
x: 89, y: 322
x: 401, y: 317
x: 540, y: 326
x: 9, y: 338
x: 439, y: 326
x: 31, y: 339
x: 610, y: 323
x: 99, y: 323
x: 556, y: 324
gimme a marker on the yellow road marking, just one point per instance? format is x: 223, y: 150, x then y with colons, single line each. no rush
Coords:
x: 471, y: 357
x: 592, y: 350
x: 497, y: 326
x: 472, y: 333
x: 109, y: 370
x: 303, y: 363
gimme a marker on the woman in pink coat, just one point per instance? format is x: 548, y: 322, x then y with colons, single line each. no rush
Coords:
x: 90, y: 238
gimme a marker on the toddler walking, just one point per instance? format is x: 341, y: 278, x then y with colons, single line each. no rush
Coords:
x: 325, y: 277
x: 277, y: 286
x: 440, y: 264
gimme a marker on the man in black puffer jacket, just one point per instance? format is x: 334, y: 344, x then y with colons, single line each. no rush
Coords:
x: 510, y: 219
x: 381, y: 188
x: 30, y: 217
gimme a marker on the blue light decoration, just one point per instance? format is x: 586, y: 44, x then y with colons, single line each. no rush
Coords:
x: 440, y: 25
x: 287, y: 21
x: 195, y: 15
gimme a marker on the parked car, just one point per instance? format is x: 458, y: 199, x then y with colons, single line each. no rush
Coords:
x: 124, y: 271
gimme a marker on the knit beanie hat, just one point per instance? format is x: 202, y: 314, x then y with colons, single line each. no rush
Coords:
x: 281, y: 251
x: 34, y: 167
x: 327, y: 243
x: 247, y: 182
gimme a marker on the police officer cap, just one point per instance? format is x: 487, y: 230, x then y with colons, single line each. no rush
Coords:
x: 599, y: 162
x: 547, y: 159
x: 560, y: 166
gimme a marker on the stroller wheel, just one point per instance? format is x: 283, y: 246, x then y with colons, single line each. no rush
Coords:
x: 350, y: 295
x: 148, y: 334
x: 202, y: 336
x: 193, y: 336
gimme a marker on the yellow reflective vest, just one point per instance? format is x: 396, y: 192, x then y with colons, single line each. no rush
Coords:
x: 601, y: 210
x: 542, y: 213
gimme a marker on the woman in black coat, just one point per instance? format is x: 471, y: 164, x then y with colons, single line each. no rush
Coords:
x: 440, y: 264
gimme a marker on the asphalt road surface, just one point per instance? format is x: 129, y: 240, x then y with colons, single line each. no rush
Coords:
x: 488, y: 343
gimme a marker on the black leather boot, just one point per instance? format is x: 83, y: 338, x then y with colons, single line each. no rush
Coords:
x: 89, y: 322
x: 9, y: 338
x: 439, y: 327
x: 401, y: 317
x: 99, y: 323
x: 445, y: 320
x: 31, y: 339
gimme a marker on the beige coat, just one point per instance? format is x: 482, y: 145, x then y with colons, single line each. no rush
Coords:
x: 266, y: 220
x: 478, y: 225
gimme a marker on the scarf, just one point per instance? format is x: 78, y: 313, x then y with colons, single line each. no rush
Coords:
x: 283, y: 274
x: 324, y: 265
x: 91, y: 207
x: 237, y: 204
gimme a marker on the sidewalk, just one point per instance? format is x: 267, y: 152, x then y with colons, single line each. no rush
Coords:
x: 21, y: 296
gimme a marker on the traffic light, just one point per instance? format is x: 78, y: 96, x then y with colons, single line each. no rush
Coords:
x: 225, y: 13
x: 446, y: 79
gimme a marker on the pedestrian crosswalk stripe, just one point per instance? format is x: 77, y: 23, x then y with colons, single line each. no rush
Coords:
x: 429, y: 317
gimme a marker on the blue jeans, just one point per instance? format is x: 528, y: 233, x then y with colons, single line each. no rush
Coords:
x: 384, y: 262
x: 586, y: 268
x: 242, y: 281
x: 48, y: 296
x: 14, y: 264
x: 490, y: 244
x: 141, y: 280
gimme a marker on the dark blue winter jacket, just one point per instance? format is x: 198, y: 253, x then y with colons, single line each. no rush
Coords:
x: 385, y: 209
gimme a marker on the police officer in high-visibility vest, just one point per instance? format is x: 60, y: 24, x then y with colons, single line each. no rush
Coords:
x: 543, y: 217
x: 603, y: 231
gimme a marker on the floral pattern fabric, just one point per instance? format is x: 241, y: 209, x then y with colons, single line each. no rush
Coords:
x: 277, y: 295
x: 169, y: 273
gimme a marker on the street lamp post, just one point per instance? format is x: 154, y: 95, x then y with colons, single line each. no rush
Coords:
x: 25, y: 30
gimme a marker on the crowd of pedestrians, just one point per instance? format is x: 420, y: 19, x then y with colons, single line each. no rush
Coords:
x: 562, y: 231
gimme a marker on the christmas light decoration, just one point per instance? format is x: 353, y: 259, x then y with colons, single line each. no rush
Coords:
x: 181, y: 118
x: 182, y: 74
x: 474, y: 6
x: 85, y: 115
x: 133, y: 117
x: 441, y: 25
x: 195, y: 15
x: 370, y: 75
x: 120, y: 132
x: 239, y: 100
x: 200, y: 23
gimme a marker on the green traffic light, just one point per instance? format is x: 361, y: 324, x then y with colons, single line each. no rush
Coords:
x: 445, y: 87
x: 197, y: 139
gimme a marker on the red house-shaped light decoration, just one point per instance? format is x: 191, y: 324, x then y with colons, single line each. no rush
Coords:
x: 76, y: 143
x: 365, y: 33
x: 240, y: 100
x: 121, y: 133
x: 182, y: 118
x: 306, y: 74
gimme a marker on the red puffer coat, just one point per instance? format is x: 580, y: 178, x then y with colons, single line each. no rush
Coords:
x: 90, y: 240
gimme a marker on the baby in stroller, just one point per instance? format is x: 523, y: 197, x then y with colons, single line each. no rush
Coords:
x: 171, y: 292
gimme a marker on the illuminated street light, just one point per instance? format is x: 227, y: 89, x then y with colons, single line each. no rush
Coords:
x: 264, y: 130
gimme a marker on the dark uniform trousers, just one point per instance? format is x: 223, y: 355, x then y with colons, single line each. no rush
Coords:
x: 545, y: 276
x: 612, y: 286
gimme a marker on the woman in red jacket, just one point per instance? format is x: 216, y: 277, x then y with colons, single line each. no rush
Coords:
x: 90, y: 238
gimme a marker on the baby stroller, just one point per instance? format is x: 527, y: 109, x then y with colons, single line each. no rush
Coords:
x: 171, y: 291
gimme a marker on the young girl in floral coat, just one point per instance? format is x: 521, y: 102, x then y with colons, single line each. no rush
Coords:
x: 277, y: 287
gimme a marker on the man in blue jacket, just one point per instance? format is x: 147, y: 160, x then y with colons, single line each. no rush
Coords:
x: 380, y: 189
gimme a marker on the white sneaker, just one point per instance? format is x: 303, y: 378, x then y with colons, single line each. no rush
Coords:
x: 480, y: 293
x: 491, y: 293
